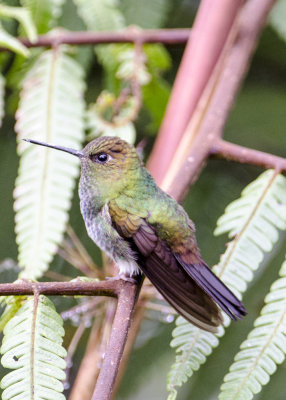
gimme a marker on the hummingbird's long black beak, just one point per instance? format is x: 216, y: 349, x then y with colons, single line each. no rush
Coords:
x: 66, y: 149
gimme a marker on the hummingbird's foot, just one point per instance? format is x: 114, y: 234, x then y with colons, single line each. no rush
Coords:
x: 123, y: 277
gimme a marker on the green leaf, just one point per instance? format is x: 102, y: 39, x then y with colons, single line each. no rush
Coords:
x: 155, y: 97
x: 145, y: 13
x: 103, y: 15
x: 32, y: 347
x: 193, y: 345
x: 263, y: 350
x: 51, y: 109
x: 100, y: 15
x: 118, y: 59
x: 23, y: 16
x: 8, y: 41
x: 277, y: 18
x: 158, y: 58
x: 45, y: 13
x: 96, y: 126
x: 253, y: 222
x: 13, y: 303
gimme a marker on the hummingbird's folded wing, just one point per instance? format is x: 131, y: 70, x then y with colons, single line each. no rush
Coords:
x: 160, y: 266
x: 191, y: 288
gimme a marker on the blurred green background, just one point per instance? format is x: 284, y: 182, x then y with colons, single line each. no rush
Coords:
x: 258, y: 120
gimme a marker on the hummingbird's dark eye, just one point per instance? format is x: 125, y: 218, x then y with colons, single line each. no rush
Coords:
x: 100, y: 158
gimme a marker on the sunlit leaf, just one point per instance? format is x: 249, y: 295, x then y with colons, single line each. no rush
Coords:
x: 32, y: 347
x: 263, y: 350
x: 45, y: 13
x: 23, y: 16
x: 9, y: 42
x: 51, y: 110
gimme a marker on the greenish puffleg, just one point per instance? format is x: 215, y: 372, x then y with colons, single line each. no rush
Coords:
x: 143, y: 229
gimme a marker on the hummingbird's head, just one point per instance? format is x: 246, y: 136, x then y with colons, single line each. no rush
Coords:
x: 109, y: 166
x: 110, y: 156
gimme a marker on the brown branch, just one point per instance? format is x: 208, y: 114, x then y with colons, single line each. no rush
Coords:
x: 111, y: 288
x: 182, y: 174
x: 83, y: 385
x: 128, y: 35
x: 234, y: 152
x: 211, y: 29
x: 125, y: 307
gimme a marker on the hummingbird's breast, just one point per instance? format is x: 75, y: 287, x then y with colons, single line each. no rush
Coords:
x: 100, y: 229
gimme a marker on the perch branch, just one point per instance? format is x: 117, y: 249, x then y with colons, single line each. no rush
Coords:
x: 111, y: 288
x: 83, y: 385
x: 125, y: 308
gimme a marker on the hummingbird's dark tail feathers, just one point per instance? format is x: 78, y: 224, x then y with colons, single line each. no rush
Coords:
x: 215, y: 288
x: 160, y: 266
x: 191, y: 288
x: 186, y: 297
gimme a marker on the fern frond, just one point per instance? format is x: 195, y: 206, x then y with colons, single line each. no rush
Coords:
x: 193, y: 346
x: 45, y: 13
x: 264, y: 348
x: 32, y: 347
x: 253, y: 222
x: 51, y: 110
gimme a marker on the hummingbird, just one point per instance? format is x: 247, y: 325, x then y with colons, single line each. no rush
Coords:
x: 143, y: 229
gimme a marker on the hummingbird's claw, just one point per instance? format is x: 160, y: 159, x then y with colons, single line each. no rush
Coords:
x: 123, y: 277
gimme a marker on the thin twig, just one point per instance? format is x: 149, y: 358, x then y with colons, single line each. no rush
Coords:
x: 128, y: 35
x: 71, y: 350
x: 234, y: 152
x: 81, y: 249
x: 110, y: 288
x: 88, y: 307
